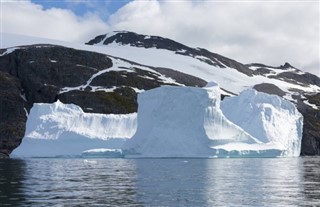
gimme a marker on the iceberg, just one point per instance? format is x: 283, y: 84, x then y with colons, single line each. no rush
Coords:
x: 188, y: 122
x: 171, y: 121
x: 271, y: 119
x: 65, y: 130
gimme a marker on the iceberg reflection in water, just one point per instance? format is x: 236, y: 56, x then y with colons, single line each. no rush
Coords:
x: 160, y: 182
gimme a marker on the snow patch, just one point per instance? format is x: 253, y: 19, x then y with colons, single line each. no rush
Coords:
x: 310, y: 104
x: 9, y: 50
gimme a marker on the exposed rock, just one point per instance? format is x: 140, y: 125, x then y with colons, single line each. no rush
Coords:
x: 270, y: 89
x: 12, y: 114
x: 3, y: 156
x: 121, y: 101
x: 311, y: 127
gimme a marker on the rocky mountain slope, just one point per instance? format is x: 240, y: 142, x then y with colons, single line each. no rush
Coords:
x: 105, y: 76
x: 95, y: 82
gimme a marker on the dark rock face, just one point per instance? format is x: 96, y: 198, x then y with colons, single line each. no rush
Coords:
x: 38, y: 73
x: 185, y: 79
x: 311, y: 125
x: 270, y: 89
x: 43, y: 69
x: 3, y: 156
x: 121, y: 101
x: 12, y: 114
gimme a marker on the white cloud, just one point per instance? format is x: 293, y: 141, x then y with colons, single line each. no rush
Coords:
x: 24, y: 17
x: 261, y: 31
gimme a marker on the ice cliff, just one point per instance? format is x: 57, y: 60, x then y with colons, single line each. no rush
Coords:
x: 172, y: 121
x: 269, y: 118
x: 188, y: 122
x: 64, y: 129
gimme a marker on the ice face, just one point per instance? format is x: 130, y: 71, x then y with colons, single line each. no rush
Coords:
x: 188, y: 122
x: 171, y: 122
x: 64, y: 129
x: 269, y: 118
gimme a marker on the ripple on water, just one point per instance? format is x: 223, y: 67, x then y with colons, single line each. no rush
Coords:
x: 160, y: 182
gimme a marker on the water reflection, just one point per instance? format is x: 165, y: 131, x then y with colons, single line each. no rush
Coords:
x: 311, y: 184
x: 171, y: 182
x: 71, y: 182
x: 12, y: 174
x: 254, y: 182
x: 160, y: 182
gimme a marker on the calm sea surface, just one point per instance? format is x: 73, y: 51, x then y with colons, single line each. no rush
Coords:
x: 160, y: 182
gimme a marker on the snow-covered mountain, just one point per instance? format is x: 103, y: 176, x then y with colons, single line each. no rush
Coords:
x: 106, y: 75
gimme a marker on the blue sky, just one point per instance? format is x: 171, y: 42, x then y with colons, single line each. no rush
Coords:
x: 104, y: 8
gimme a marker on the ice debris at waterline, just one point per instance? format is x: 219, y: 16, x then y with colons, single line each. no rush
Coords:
x: 102, y: 152
x: 171, y: 122
x: 65, y: 130
x: 188, y: 122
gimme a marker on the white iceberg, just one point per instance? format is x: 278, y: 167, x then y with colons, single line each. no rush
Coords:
x: 269, y: 118
x: 171, y: 122
x: 188, y: 122
x: 64, y: 129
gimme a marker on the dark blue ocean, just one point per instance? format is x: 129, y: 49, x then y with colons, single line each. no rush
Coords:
x: 160, y: 182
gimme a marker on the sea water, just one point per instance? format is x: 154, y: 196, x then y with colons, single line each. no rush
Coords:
x: 160, y: 182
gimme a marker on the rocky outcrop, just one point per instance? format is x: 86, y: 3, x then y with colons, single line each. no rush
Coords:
x: 12, y: 114
x: 270, y: 89
x: 311, y: 127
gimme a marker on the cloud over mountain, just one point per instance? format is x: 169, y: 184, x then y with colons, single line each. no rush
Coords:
x: 269, y: 32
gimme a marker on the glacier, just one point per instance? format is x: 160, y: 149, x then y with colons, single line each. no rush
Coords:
x: 188, y: 122
x: 60, y: 129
